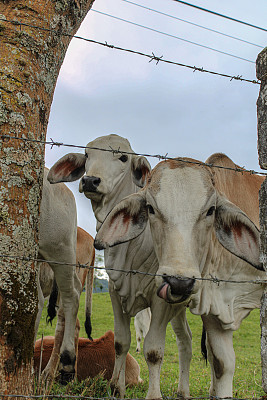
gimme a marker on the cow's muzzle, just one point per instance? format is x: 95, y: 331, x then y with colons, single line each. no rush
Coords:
x: 90, y: 184
x: 175, y: 290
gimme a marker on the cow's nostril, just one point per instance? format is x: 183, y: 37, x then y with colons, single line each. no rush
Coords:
x: 96, y: 181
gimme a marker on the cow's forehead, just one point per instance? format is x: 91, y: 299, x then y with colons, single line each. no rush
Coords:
x: 111, y: 142
x: 173, y: 180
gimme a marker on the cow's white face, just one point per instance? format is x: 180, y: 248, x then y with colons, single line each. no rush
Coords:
x: 105, y: 176
x: 181, y: 215
x: 184, y: 210
x: 104, y: 170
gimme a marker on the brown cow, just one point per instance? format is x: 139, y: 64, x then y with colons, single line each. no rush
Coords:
x: 94, y: 357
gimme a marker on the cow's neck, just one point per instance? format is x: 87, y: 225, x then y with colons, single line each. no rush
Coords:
x: 102, y: 208
x: 135, y: 290
x: 138, y: 254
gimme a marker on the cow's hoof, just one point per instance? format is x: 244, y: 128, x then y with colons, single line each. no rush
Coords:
x: 116, y: 391
x: 182, y: 395
x: 66, y: 377
x: 66, y: 368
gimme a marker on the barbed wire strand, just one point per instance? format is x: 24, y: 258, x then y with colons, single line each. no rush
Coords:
x: 192, y: 23
x: 52, y: 143
x: 213, y: 279
x: 152, y: 57
x: 65, y: 396
x: 173, y: 36
x: 220, y: 15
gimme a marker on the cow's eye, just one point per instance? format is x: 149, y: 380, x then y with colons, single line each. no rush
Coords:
x: 123, y: 158
x: 150, y: 209
x: 210, y: 211
x: 86, y: 155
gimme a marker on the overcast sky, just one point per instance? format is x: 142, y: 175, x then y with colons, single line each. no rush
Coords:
x: 160, y: 108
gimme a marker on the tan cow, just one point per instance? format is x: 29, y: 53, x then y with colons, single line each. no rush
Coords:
x: 204, y: 223
x: 94, y: 357
x: 108, y: 178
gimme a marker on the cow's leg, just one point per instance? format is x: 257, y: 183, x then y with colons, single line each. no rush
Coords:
x: 69, y: 287
x: 52, y: 365
x: 49, y: 372
x: 154, y: 344
x: 41, y: 301
x: 221, y: 356
x: 184, y: 343
x: 122, y: 341
x: 138, y: 336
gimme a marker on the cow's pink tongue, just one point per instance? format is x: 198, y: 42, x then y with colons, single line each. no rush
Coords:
x: 163, y: 291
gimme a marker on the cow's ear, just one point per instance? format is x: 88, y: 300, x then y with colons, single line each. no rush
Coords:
x: 126, y: 221
x: 68, y: 168
x: 237, y: 233
x: 140, y: 170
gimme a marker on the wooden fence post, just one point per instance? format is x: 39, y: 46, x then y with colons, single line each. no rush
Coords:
x: 261, y: 69
x: 30, y: 60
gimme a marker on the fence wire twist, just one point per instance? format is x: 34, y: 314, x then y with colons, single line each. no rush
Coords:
x: 151, y: 57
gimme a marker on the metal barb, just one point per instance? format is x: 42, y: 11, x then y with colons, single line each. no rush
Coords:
x: 157, y: 59
x: 58, y: 144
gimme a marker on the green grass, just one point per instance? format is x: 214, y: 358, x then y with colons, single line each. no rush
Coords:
x: 247, y: 379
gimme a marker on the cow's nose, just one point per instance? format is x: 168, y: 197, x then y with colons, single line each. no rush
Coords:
x: 175, y: 289
x: 180, y: 286
x: 90, y: 183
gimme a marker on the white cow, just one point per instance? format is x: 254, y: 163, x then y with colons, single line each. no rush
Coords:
x: 58, y: 236
x: 108, y: 178
x: 85, y: 254
x: 204, y: 224
x: 141, y: 324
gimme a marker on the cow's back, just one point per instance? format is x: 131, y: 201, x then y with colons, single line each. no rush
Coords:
x: 96, y: 356
x: 241, y: 188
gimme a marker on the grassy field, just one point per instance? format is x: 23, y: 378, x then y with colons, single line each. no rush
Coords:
x: 247, y: 380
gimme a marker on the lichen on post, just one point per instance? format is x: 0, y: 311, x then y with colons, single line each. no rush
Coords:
x: 30, y: 60
x: 261, y: 68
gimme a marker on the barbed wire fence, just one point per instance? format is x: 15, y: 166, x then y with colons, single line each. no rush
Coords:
x: 62, y: 396
x: 211, y: 278
x: 52, y: 143
x: 160, y: 157
x: 151, y: 57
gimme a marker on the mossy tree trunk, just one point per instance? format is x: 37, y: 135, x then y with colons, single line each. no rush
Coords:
x: 30, y: 60
x: 262, y: 148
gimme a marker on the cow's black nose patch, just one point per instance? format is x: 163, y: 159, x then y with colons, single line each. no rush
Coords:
x: 90, y: 183
x: 180, y: 286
